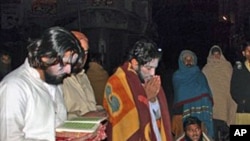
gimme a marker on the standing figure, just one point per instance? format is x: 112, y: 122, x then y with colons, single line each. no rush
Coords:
x: 192, y: 95
x: 240, y: 86
x: 31, y: 104
x: 135, y: 100
x: 218, y: 72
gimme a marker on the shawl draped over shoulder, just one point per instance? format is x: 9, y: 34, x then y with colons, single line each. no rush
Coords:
x: 128, y: 108
x: 191, y: 90
x: 218, y: 73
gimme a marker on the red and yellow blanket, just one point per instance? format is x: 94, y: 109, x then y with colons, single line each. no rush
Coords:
x: 127, y: 105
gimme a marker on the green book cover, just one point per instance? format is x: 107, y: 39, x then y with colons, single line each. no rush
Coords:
x: 87, y: 119
x: 77, y: 127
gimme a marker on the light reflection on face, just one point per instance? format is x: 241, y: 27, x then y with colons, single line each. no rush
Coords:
x: 56, y: 73
x: 188, y: 61
x: 217, y: 55
x: 147, y: 71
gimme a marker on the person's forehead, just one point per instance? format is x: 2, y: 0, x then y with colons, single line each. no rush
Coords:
x: 192, y: 126
x: 4, y: 56
x: 188, y: 57
x: 153, y: 62
x: 216, y: 52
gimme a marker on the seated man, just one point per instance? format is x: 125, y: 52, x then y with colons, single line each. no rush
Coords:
x: 193, y: 130
x: 78, y: 93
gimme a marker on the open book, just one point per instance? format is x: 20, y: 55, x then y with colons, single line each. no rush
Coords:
x: 77, y: 127
x: 87, y: 119
x: 81, y: 124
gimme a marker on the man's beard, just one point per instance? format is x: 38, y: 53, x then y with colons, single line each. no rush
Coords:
x: 189, y: 65
x: 52, y: 79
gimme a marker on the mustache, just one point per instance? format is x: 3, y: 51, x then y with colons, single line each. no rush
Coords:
x: 189, y: 65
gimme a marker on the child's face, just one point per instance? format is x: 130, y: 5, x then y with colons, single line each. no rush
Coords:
x: 194, y: 132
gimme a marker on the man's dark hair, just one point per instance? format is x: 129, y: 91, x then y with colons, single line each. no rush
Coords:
x: 144, y: 51
x: 95, y: 57
x: 53, y: 43
x: 191, y: 120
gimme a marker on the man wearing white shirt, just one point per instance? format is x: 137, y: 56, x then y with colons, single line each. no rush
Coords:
x: 31, y: 105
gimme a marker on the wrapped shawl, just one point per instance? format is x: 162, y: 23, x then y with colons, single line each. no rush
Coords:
x: 218, y: 73
x: 128, y: 108
x: 191, y: 91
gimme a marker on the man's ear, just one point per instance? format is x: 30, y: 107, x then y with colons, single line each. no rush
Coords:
x: 134, y: 63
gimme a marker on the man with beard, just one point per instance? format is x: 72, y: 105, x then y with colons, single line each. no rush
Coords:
x: 192, y: 95
x: 134, y: 99
x: 240, y: 85
x: 30, y: 103
x: 193, y: 130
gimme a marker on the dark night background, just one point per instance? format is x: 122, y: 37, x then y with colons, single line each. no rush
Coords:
x: 174, y: 25
x: 112, y: 27
x: 191, y: 26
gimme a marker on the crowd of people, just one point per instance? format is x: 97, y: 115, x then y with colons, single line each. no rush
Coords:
x: 52, y: 86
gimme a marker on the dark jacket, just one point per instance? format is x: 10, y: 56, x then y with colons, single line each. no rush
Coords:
x: 240, y: 87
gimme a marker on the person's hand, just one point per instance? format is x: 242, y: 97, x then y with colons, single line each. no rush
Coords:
x: 98, y: 113
x: 152, y: 87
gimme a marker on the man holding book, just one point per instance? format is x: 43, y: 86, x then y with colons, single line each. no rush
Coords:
x: 78, y: 93
x: 80, y: 99
x: 30, y: 101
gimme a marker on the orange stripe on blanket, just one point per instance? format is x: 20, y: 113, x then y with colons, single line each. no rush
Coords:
x: 118, y: 98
